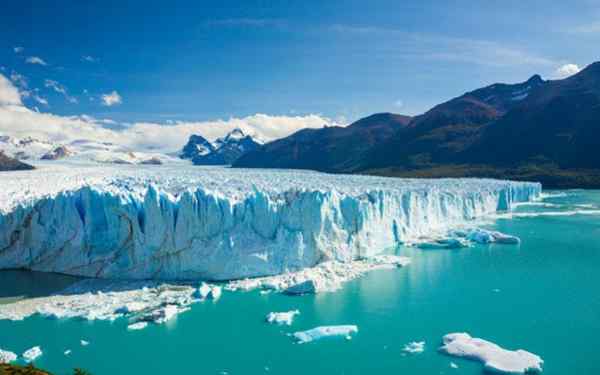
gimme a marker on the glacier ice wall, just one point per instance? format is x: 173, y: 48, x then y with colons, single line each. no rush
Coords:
x: 221, y: 224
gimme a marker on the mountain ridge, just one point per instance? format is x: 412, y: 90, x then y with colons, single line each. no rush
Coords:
x: 545, y: 130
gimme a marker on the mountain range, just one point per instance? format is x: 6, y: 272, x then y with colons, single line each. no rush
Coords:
x: 540, y: 130
x: 224, y: 151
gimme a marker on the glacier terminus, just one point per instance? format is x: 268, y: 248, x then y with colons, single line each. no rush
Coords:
x: 213, y: 223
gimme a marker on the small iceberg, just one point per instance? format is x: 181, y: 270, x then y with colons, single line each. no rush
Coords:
x: 84, y: 343
x: 282, y: 318
x: 414, y: 347
x: 494, y: 358
x: 483, y: 236
x: 319, y: 333
x: 67, y: 352
x: 164, y: 314
x: 31, y: 354
x: 137, y: 326
x: 7, y: 357
x: 445, y: 243
x: 206, y: 291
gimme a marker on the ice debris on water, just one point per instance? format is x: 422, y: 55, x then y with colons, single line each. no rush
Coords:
x: 494, y: 358
x: 137, y: 326
x: 282, y: 318
x: 453, y: 365
x: 414, y: 347
x: 67, y: 352
x: 7, y: 356
x: 94, y: 299
x: 84, y: 342
x: 325, y: 277
x: 321, y: 332
x: 32, y: 354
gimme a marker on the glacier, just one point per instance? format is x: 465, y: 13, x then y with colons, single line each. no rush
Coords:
x: 179, y: 222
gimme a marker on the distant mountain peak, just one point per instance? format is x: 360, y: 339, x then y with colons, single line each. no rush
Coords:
x: 225, y: 150
x: 535, y: 79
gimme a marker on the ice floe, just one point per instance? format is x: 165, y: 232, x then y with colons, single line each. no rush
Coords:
x: 137, y: 326
x: 282, y: 318
x: 7, y: 356
x: 493, y: 357
x: 319, y: 333
x: 414, y: 347
x: 67, y: 352
x: 32, y: 354
x: 84, y: 342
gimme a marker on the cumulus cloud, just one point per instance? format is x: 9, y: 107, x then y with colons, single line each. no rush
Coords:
x: 35, y: 60
x: 54, y: 85
x: 111, y: 99
x: 19, y: 121
x: 88, y: 58
x: 9, y: 95
x: 18, y: 49
x: 566, y: 70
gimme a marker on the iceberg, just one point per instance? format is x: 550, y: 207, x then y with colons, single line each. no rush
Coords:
x: 7, y: 357
x: 32, y: 354
x: 282, y: 318
x: 137, y: 326
x: 319, y: 333
x: 84, y: 343
x: 177, y: 222
x: 493, y: 357
x: 414, y: 347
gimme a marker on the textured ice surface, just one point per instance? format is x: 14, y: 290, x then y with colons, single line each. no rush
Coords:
x: 282, y: 318
x: 185, y: 222
x: 319, y: 333
x: 493, y: 357
x: 7, y: 357
x: 31, y: 354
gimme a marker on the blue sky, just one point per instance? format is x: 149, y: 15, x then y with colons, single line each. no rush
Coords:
x: 198, y: 61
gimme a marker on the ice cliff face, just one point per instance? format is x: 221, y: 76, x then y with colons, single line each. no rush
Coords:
x: 220, y: 224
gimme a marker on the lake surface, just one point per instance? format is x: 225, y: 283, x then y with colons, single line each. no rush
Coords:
x: 541, y: 296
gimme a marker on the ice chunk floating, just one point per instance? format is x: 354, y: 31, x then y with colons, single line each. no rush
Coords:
x: 184, y: 222
x: 322, y: 332
x: 493, y: 357
x: 30, y: 355
x: 282, y: 318
x: 7, y: 356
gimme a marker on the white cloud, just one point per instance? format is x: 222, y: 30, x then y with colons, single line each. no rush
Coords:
x: 60, y: 89
x: 566, y: 70
x: 9, y: 95
x: 19, y: 121
x: 88, y: 58
x: 111, y: 99
x: 18, y: 49
x: 35, y: 60
x: 590, y: 28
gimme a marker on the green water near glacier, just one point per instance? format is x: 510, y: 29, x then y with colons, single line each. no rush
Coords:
x: 541, y: 296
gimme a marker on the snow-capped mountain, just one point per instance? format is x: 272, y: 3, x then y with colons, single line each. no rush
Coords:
x: 197, y: 146
x: 83, y: 150
x: 223, y: 151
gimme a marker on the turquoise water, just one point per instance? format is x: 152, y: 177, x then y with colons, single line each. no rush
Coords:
x: 540, y: 296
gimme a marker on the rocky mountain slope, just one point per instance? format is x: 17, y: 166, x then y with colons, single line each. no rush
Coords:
x: 535, y: 130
